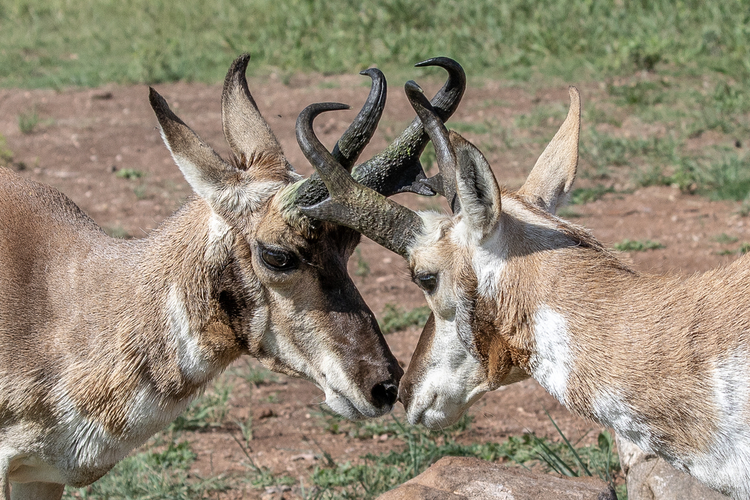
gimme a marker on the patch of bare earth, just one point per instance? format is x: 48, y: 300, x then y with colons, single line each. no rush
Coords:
x: 84, y: 137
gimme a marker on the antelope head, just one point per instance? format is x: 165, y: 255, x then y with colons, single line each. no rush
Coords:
x: 466, y: 263
x: 285, y: 288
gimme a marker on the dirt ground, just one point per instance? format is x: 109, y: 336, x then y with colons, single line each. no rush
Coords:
x: 84, y: 137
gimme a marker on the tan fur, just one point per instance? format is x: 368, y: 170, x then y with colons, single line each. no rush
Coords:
x: 103, y: 341
x: 663, y: 360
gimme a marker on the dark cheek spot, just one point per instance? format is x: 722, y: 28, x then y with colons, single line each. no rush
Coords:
x: 493, y: 349
x: 235, y: 303
x: 228, y: 303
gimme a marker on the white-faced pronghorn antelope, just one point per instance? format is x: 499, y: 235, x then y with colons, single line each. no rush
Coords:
x: 103, y: 342
x: 517, y: 292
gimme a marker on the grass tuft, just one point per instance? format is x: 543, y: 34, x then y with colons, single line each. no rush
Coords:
x: 154, y: 475
x: 637, y: 245
x: 130, y: 174
x: 581, y: 196
x: 28, y: 121
x: 6, y: 155
x: 396, y: 319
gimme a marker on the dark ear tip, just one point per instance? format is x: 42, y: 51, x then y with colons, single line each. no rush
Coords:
x: 156, y: 100
x: 240, y: 63
x: 236, y: 73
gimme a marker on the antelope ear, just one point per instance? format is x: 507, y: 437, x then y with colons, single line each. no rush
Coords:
x: 247, y: 132
x: 213, y: 179
x: 476, y: 186
x: 551, y: 179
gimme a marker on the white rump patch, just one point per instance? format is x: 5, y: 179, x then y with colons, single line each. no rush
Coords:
x: 552, y: 359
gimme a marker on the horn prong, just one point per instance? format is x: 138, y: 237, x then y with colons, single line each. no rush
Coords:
x: 356, y: 137
x: 435, y: 129
x: 351, y: 204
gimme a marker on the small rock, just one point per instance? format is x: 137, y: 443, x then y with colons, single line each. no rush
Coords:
x: 463, y: 478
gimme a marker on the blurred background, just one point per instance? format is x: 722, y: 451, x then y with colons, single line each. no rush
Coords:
x: 58, y: 43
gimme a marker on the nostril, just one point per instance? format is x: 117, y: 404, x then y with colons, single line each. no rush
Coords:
x: 384, y: 394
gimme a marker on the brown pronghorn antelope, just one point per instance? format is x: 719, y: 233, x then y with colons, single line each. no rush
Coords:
x: 518, y: 292
x: 103, y: 342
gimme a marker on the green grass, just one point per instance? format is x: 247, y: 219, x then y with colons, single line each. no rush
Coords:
x: 209, y: 410
x: 742, y: 250
x: 395, y: 318
x: 637, y: 245
x: 130, y: 173
x: 6, y: 155
x: 603, y: 152
x: 362, y: 267
x: 543, y: 115
x: 719, y: 175
x: 255, y: 374
x: 724, y: 239
x: 28, y: 121
x: 57, y: 43
x: 118, y: 231
x: 152, y: 475
x: 375, y: 474
x: 581, y: 196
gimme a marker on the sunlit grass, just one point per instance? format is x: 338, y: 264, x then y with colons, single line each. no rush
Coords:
x: 57, y: 43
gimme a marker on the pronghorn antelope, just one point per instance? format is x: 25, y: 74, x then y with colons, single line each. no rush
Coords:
x: 518, y: 292
x: 103, y: 342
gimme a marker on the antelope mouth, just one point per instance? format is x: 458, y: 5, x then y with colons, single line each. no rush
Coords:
x: 351, y: 408
x: 437, y: 412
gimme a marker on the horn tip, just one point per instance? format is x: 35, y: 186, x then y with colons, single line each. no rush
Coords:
x: 441, y: 61
x: 412, y: 86
x: 371, y: 72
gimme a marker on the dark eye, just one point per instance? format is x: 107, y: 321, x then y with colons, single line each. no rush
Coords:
x: 277, y: 259
x: 426, y: 281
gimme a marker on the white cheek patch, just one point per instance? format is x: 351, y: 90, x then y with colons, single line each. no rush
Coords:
x: 308, y: 357
x: 452, y: 380
x: 552, y: 359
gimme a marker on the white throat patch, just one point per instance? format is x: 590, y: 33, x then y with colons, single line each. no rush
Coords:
x: 552, y: 359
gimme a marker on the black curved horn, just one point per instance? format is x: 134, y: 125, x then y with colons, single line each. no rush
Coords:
x: 445, y: 181
x: 397, y: 168
x: 358, y: 135
x: 351, y: 204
